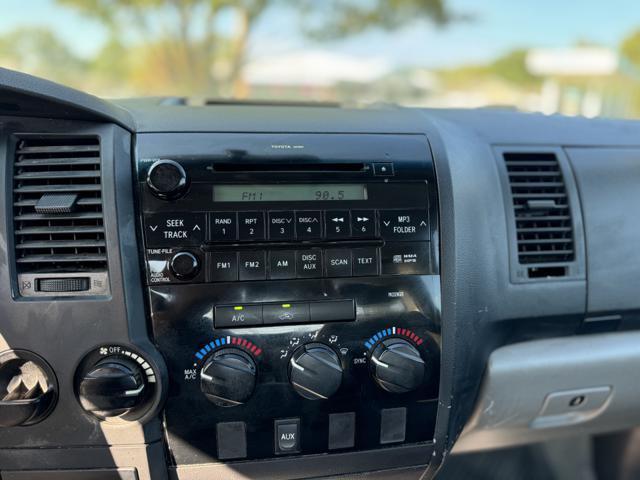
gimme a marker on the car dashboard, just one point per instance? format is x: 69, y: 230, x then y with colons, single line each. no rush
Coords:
x: 254, y: 291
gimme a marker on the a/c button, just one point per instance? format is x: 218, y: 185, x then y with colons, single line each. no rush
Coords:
x: 234, y: 316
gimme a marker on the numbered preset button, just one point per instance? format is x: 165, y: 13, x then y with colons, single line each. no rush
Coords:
x: 363, y: 223
x: 309, y: 225
x: 251, y: 226
x: 223, y: 226
x: 337, y: 223
x: 281, y: 225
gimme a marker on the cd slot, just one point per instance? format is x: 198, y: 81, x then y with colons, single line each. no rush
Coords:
x: 290, y: 166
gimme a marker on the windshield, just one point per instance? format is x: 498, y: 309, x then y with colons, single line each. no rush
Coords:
x: 572, y: 57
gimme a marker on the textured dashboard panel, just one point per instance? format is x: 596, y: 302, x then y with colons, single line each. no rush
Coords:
x: 609, y: 184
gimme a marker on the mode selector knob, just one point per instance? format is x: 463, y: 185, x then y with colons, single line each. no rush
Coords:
x: 167, y: 179
x: 315, y: 371
x: 397, y: 366
x: 112, y: 387
x: 228, y: 377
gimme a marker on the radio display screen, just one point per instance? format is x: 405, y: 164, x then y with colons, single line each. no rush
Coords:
x: 287, y: 193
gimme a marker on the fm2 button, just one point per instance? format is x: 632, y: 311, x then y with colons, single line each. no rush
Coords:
x: 287, y: 433
x: 174, y: 229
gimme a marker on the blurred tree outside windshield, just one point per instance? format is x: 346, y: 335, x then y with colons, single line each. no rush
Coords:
x: 544, y: 56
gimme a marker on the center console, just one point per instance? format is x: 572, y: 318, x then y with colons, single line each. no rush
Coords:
x: 294, y: 291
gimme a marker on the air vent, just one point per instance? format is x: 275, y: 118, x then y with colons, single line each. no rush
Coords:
x: 57, y: 206
x: 544, y: 228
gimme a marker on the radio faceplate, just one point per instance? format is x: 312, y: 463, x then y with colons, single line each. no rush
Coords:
x: 296, y: 325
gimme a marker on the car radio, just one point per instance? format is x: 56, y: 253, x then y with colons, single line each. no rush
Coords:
x: 294, y: 290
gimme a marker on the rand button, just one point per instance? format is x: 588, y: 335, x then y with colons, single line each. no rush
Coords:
x: 223, y: 226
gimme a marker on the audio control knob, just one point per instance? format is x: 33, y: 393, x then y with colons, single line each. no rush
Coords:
x: 112, y: 387
x: 396, y: 366
x: 315, y: 371
x: 184, y: 265
x: 228, y: 377
x: 167, y: 179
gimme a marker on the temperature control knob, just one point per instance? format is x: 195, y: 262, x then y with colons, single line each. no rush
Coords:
x: 315, y: 371
x: 228, y: 377
x: 167, y: 179
x: 112, y: 387
x: 396, y: 366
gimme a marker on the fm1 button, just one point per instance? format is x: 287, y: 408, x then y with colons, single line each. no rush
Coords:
x: 224, y: 266
x: 287, y: 436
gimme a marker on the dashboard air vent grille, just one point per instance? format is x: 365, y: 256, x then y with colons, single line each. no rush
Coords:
x: 544, y: 227
x: 57, y: 205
